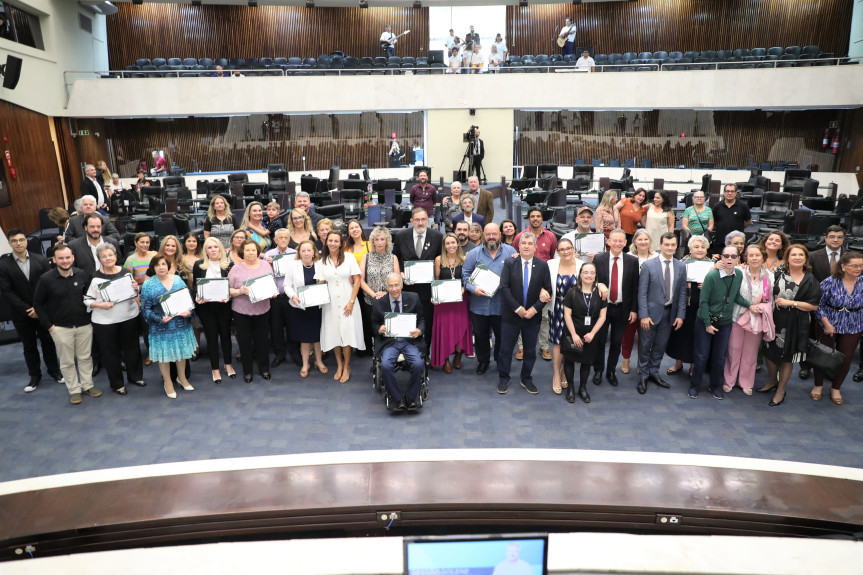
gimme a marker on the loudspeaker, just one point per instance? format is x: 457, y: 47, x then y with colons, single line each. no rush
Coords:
x: 11, y: 72
x: 435, y: 56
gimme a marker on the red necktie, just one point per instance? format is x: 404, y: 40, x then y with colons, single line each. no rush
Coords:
x: 613, y: 295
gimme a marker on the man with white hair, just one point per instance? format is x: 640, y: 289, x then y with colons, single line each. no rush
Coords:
x: 90, y: 186
x: 76, y: 223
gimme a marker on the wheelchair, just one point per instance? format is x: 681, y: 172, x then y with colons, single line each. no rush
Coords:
x: 401, y: 365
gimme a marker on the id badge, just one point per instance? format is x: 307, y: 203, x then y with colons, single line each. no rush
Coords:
x: 587, y: 321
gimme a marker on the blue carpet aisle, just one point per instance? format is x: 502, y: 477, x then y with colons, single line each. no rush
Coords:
x: 43, y: 434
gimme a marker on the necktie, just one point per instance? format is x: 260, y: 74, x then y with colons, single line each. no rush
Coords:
x: 614, y: 281
x: 832, y: 260
x: 667, y: 280
x: 419, y: 246
x: 524, y: 283
x: 396, y: 307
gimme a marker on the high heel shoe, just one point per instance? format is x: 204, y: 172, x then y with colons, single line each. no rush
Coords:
x: 233, y: 375
x: 217, y: 379
x: 186, y: 387
x: 777, y: 403
x: 765, y: 389
x: 172, y: 395
x: 247, y: 378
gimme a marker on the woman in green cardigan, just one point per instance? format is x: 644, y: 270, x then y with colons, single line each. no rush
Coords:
x: 719, y: 292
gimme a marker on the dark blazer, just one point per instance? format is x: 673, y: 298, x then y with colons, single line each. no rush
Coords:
x: 821, y: 263
x: 512, y: 286
x: 16, y: 289
x: 198, y: 273
x: 88, y: 188
x: 629, y: 282
x: 404, y: 249
x: 76, y: 228
x: 410, y: 304
x: 84, y: 256
x: 481, y: 154
x: 651, y: 290
x: 478, y: 219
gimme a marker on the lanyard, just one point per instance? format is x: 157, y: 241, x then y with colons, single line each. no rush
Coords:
x: 587, y: 301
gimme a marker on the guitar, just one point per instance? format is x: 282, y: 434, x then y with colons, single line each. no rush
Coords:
x: 388, y: 43
x: 561, y: 40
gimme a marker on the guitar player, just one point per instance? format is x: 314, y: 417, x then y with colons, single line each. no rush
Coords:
x: 566, y: 38
x: 390, y: 39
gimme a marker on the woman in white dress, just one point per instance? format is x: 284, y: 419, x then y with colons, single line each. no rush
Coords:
x: 342, y: 325
x: 658, y: 219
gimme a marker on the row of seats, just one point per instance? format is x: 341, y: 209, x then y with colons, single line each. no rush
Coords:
x: 275, y: 67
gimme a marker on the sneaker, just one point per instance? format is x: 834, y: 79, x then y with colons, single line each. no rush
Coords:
x: 75, y: 399
x: 530, y: 388
x: 693, y: 393
x: 57, y: 376
x: 717, y: 393
x: 34, y: 383
x: 93, y: 392
x: 502, y: 387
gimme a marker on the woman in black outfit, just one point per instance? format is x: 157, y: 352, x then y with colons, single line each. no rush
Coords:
x: 584, y: 314
x: 215, y: 315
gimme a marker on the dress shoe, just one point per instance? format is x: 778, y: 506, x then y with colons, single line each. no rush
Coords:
x: 835, y: 399
x: 529, y: 387
x: 35, y: 380
x: 139, y: 383
x: 546, y: 354
x: 121, y: 391
x: 456, y: 361
x: 642, y: 386
x: 502, y: 386
x: 765, y: 389
x: 401, y: 405
x: 278, y: 361
x: 597, y: 377
x: 570, y: 394
x: 658, y: 381
x: 693, y: 393
x: 858, y: 377
x: 57, y: 376
x: 717, y: 392
x: 75, y: 399
x: 266, y: 375
x: 217, y: 379
x: 777, y: 403
x: 519, y: 354
x: 413, y: 405
x: 97, y: 367
x: 611, y: 377
x: 482, y: 368
x: 582, y: 393
x: 447, y: 368
x: 247, y: 378
x: 804, y: 374
x: 93, y: 392
x: 233, y: 375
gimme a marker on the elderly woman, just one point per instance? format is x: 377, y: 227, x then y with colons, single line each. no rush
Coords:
x: 115, y: 324
x: 639, y: 247
x: 219, y: 222
x: 252, y: 319
x: 324, y: 227
x: 451, y: 205
x: 564, y: 273
x: 342, y: 325
x: 796, y: 293
x: 606, y: 217
x: 215, y: 315
x: 375, y: 266
x: 171, y: 337
x: 253, y: 223
x: 474, y: 234
x: 841, y: 314
x: 306, y: 323
x: 748, y: 329
x: 451, y: 332
x: 300, y: 227
x: 681, y: 342
x: 736, y: 239
x: 698, y: 217
x: 494, y: 60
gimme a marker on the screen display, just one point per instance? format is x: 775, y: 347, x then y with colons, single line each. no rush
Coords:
x: 476, y: 557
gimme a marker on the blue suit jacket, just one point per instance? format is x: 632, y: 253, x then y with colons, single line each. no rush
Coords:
x: 476, y: 218
x: 512, y: 285
x: 651, y: 290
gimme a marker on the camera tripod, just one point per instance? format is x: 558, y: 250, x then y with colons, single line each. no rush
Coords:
x: 468, y: 157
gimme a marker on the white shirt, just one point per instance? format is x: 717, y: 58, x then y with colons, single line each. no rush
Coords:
x: 100, y: 193
x: 501, y: 48
x: 425, y: 239
x: 449, y: 43
x: 572, y: 30
x: 213, y: 270
x: 387, y: 36
x: 585, y: 64
x: 468, y: 219
x: 93, y: 250
x: 831, y: 252
x: 611, y: 257
x: 662, y: 261
x: 477, y: 60
x: 521, y: 262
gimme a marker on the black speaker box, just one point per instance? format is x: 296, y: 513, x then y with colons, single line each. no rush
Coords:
x: 13, y: 72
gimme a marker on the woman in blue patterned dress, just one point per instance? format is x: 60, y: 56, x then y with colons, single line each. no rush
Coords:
x: 564, y: 272
x: 171, y: 338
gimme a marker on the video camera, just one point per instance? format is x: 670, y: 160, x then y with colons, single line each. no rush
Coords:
x: 470, y: 135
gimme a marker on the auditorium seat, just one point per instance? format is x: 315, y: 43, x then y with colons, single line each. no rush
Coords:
x: 793, y: 50
x: 601, y: 58
x: 660, y: 55
x: 235, y: 62
x: 692, y: 54
x: 141, y: 62
x: 133, y: 72
x: 189, y: 62
x: 724, y: 55
x: 709, y: 54
x: 775, y: 51
x: 221, y: 62
x: 811, y: 49
x: 309, y: 63
x: 614, y: 57
x: 252, y: 62
x: 175, y: 62
x: 676, y: 55
x: 159, y: 62
x: 645, y: 55
x: 629, y: 56
x: 205, y: 62
x: 759, y: 53
x: 541, y: 58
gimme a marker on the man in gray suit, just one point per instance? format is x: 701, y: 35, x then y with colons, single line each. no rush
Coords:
x: 661, y: 306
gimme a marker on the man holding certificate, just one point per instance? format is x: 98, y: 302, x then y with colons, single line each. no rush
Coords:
x: 521, y: 282
x: 409, y: 345
x: 280, y: 308
x: 485, y: 305
x: 419, y: 244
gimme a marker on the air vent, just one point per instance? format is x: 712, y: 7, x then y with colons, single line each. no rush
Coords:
x: 85, y: 23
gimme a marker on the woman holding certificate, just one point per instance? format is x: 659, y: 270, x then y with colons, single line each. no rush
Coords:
x: 305, y: 324
x: 171, y: 337
x: 342, y: 325
x: 252, y: 319
x: 215, y: 315
x: 114, y: 314
x: 375, y: 266
x: 451, y: 332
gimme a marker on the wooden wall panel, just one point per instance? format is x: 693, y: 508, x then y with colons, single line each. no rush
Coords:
x: 37, y: 184
x: 652, y: 25
x: 851, y: 144
x: 179, y: 30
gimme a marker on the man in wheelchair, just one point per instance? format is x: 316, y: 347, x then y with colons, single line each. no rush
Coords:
x: 389, y: 348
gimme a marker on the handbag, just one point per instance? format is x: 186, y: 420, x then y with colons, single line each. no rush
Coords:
x: 568, y: 349
x: 824, y: 358
x: 704, y: 231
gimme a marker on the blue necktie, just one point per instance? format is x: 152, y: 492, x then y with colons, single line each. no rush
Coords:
x: 396, y: 306
x: 525, y: 281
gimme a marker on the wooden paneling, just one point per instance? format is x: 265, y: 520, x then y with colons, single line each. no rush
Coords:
x: 37, y: 182
x: 724, y: 138
x: 179, y: 30
x: 252, y: 142
x: 653, y: 25
x: 851, y: 144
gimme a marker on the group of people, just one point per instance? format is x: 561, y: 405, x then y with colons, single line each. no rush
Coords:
x: 467, y: 57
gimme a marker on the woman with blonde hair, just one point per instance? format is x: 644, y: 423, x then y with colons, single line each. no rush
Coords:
x: 606, y: 218
x: 451, y: 332
x: 103, y: 173
x: 215, y: 315
x: 305, y: 326
x: 300, y: 228
x: 640, y: 248
x: 219, y: 222
x: 253, y: 223
x: 375, y: 266
x: 238, y: 238
x: 323, y: 227
x: 170, y: 248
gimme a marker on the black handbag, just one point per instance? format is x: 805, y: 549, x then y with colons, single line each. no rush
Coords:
x: 568, y: 349
x: 824, y: 358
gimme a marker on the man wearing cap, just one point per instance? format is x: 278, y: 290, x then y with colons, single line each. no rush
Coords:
x: 546, y: 248
x: 583, y: 222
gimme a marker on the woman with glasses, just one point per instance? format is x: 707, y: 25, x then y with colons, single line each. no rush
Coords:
x: 698, y: 217
x: 300, y: 227
x: 584, y: 313
x: 841, y: 314
x: 564, y: 273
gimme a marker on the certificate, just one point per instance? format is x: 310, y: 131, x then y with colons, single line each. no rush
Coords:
x: 590, y: 243
x: 485, y: 279
x: 213, y: 289
x: 282, y: 263
x: 261, y: 288
x: 400, y: 324
x: 176, y: 302
x: 446, y: 291
x: 120, y: 289
x: 696, y: 270
x: 419, y: 272
x: 312, y: 295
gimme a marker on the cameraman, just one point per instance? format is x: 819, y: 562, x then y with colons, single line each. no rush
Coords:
x: 477, y: 152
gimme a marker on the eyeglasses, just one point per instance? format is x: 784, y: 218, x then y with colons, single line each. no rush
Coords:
x: 854, y: 266
x: 564, y: 250
x: 298, y: 218
x: 730, y: 256
x: 18, y: 241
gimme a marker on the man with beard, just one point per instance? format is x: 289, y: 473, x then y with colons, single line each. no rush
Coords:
x: 461, y: 229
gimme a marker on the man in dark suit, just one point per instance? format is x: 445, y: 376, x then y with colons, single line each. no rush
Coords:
x: 419, y: 243
x: 477, y: 153
x: 90, y: 187
x: 521, y: 282
x: 619, y: 271
x: 76, y: 222
x: 661, y: 307
x: 84, y: 249
x: 19, y: 273
x: 389, y: 348
x: 822, y: 262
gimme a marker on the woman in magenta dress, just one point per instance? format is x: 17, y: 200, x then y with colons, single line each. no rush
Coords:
x: 452, y: 332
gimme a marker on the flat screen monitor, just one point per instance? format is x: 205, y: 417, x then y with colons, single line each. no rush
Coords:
x: 480, y: 555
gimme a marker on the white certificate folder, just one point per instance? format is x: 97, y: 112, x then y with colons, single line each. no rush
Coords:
x: 697, y: 270
x: 446, y: 291
x: 213, y: 289
x: 120, y: 289
x: 419, y: 272
x: 261, y: 288
x: 400, y: 324
x: 486, y: 279
x: 282, y: 263
x: 176, y: 302
x: 313, y: 295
